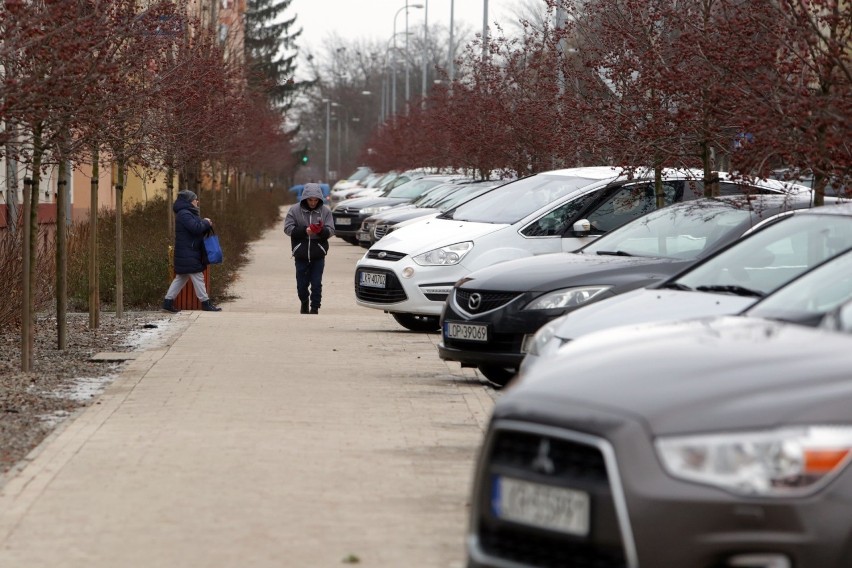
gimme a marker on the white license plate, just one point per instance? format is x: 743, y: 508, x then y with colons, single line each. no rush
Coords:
x: 363, y: 236
x: 373, y: 279
x: 543, y: 506
x: 466, y: 331
x: 340, y: 221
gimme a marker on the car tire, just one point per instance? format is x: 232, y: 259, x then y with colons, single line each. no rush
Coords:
x: 500, y: 376
x: 416, y: 322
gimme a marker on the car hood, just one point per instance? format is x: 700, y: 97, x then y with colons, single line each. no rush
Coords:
x: 434, y: 233
x: 711, y: 374
x: 648, y: 305
x: 360, y: 202
x: 399, y: 214
x: 558, y: 270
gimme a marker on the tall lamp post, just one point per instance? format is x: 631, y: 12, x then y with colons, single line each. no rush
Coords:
x: 404, y: 8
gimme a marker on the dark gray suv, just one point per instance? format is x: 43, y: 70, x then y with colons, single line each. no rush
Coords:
x: 707, y: 443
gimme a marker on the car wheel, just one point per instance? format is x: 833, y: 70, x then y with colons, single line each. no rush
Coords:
x: 415, y: 322
x: 498, y: 375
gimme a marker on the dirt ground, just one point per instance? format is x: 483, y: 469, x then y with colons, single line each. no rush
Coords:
x: 63, y: 382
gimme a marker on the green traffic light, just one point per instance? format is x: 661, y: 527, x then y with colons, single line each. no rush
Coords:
x: 304, y: 158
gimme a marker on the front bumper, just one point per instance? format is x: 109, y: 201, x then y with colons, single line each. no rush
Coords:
x: 409, y: 288
x: 640, y: 516
x: 509, y: 327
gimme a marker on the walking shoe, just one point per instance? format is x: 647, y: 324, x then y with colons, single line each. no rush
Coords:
x: 207, y: 306
x: 304, y: 308
x: 169, y: 306
x: 314, y: 310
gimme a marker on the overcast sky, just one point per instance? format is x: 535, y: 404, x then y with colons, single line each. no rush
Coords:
x: 374, y: 19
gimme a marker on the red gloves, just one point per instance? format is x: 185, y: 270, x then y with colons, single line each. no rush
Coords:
x: 316, y: 227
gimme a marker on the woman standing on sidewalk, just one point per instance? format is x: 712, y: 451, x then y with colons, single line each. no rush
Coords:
x: 189, y: 246
x: 309, y: 225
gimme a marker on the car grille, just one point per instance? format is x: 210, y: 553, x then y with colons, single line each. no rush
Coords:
x: 489, y: 300
x: 388, y: 255
x: 380, y: 231
x: 575, y: 464
x: 390, y: 294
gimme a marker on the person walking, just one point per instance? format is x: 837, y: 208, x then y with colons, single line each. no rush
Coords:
x: 189, y: 258
x: 309, y: 225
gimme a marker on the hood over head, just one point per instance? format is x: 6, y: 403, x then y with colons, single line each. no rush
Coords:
x: 311, y: 190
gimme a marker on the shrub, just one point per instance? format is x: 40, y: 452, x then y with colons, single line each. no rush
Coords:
x: 11, y: 268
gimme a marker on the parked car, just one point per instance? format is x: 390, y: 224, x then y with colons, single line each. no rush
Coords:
x: 492, y: 313
x: 428, y: 196
x: 711, y: 443
x: 352, y: 179
x: 410, y: 272
x: 445, y: 198
x: 349, y: 214
x: 368, y: 186
x: 725, y: 283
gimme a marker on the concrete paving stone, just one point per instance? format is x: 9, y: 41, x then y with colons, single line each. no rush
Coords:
x: 259, y: 436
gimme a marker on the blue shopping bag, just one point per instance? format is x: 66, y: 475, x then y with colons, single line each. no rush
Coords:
x: 212, y: 248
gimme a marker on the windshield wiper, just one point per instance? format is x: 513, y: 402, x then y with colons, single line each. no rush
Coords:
x: 731, y: 289
x: 676, y: 286
x: 614, y: 253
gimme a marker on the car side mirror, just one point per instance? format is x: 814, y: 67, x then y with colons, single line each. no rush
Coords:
x: 582, y: 228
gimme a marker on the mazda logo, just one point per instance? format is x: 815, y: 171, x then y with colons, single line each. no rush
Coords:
x: 474, y: 301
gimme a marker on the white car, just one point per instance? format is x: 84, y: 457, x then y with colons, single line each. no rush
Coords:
x: 726, y: 283
x: 410, y: 272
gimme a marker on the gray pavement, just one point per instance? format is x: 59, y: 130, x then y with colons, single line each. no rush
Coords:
x: 261, y: 437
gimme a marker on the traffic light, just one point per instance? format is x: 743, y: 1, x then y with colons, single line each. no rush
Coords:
x: 300, y: 157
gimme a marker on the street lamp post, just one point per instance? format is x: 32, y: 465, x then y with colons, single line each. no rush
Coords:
x: 425, y: 50
x: 404, y: 8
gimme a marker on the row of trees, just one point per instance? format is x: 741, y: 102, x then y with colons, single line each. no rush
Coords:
x: 152, y: 89
x: 751, y: 86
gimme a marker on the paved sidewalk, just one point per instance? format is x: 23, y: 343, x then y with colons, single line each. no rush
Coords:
x: 261, y: 437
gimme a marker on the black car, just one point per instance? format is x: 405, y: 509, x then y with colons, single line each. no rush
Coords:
x: 491, y: 315
x: 349, y: 214
x: 710, y: 443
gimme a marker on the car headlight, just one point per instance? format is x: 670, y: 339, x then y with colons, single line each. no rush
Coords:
x: 774, y: 463
x: 374, y: 210
x: 545, y: 334
x: 566, y: 298
x: 444, y: 256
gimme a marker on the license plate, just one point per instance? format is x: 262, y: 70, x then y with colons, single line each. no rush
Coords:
x: 466, y: 331
x: 372, y: 279
x: 340, y: 221
x: 363, y: 236
x: 543, y: 506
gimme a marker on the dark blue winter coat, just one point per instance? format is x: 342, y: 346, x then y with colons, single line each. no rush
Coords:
x: 189, y: 238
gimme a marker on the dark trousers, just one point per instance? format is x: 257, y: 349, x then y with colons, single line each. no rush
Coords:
x: 309, y: 280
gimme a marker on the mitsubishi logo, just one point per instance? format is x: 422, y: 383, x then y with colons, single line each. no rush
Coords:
x: 542, y: 462
x: 474, y: 301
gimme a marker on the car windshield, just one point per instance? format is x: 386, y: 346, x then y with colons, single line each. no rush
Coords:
x: 434, y: 195
x: 463, y: 194
x: 513, y: 201
x: 771, y: 257
x: 413, y: 188
x: 683, y: 231
x: 807, y: 299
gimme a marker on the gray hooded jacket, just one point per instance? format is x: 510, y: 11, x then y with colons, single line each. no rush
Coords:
x: 300, y: 217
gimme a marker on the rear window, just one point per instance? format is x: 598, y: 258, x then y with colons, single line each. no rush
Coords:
x: 513, y: 201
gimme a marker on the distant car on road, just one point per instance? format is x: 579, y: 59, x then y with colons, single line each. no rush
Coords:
x: 713, y: 443
x: 491, y: 315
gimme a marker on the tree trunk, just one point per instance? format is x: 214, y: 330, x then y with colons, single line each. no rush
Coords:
x: 61, y: 256
x: 119, y: 264
x: 94, y: 277
x: 26, y: 290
